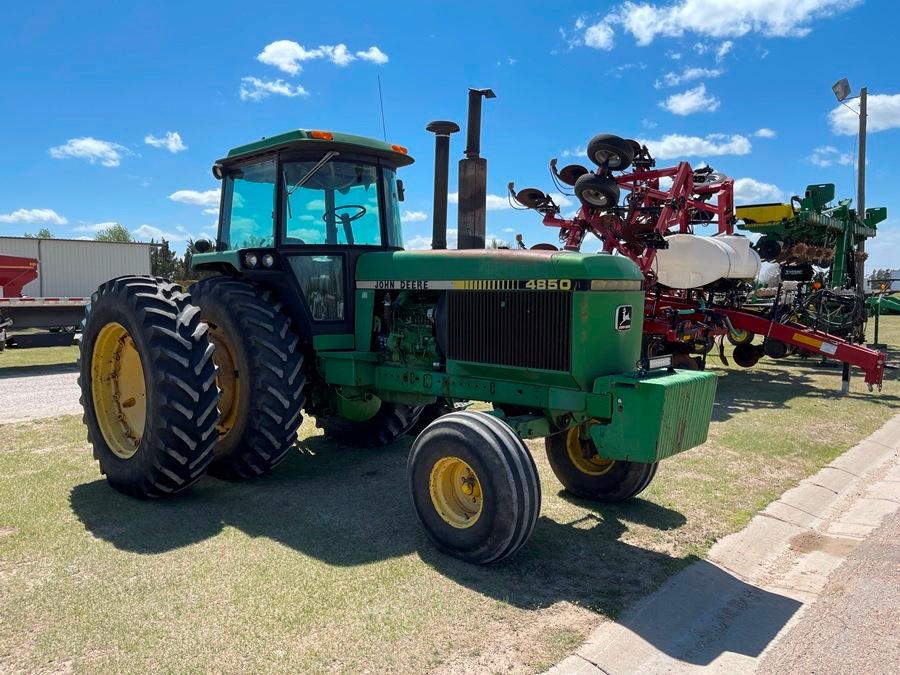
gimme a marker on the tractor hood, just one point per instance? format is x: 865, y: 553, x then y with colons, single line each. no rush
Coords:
x: 461, y: 266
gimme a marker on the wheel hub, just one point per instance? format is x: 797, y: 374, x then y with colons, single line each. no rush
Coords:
x: 118, y: 390
x: 456, y: 492
x: 584, y: 456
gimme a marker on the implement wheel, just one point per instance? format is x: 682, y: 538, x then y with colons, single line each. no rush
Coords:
x: 260, y: 374
x: 585, y: 474
x: 740, y: 337
x: 597, y: 191
x: 390, y: 422
x: 474, y: 486
x: 610, y: 152
x: 148, y: 386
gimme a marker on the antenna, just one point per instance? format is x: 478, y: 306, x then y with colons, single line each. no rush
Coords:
x: 381, y: 102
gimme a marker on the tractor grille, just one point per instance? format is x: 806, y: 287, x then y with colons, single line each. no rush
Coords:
x: 525, y: 329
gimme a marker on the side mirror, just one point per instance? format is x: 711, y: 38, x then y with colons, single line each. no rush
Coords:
x: 218, y: 172
x: 401, y: 191
x: 203, y: 246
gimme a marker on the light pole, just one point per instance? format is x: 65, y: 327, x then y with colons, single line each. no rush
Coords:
x: 841, y: 90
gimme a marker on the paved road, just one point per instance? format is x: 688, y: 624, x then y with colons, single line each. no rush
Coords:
x: 33, y: 396
x: 854, y: 626
x: 833, y: 539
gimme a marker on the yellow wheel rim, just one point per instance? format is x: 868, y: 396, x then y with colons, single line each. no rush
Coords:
x: 456, y: 492
x: 594, y: 465
x: 118, y: 391
x: 740, y: 336
x: 228, y: 379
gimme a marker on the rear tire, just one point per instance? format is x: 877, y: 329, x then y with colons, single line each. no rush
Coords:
x: 262, y: 398
x: 474, y: 486
x: 595, y: 478
x: 430, y: 413
x: 148, y: 386
x: 392, y: 421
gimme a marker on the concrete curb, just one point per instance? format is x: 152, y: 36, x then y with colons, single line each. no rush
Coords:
x: 725, y: 612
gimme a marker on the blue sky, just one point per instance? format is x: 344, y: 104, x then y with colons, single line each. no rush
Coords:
x: 114, y: 112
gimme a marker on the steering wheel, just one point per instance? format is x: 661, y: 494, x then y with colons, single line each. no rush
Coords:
x: 345, y: 218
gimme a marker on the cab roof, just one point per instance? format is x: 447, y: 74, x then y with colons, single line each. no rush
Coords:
x: 307, y: 139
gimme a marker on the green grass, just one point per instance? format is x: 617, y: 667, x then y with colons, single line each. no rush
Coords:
x: 322, y: 567
x: 38, y: 358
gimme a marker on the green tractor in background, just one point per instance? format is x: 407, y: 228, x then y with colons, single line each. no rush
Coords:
x: 310, y: 306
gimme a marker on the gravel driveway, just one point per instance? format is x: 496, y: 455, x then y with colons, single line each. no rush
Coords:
x: 32, y: 396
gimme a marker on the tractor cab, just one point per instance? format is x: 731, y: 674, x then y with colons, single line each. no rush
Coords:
x: 308, y: 203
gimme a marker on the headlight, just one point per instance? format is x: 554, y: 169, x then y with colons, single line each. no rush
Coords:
x: 251, y: 260
x: 268, y: 260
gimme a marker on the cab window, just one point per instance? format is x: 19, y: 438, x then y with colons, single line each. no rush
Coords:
x: 249, y: 207
x: 336, y: 204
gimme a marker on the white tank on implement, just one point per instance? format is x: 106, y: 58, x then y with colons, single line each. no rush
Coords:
x: 692, y: 261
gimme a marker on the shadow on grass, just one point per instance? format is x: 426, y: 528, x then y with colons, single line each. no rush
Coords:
x: 351, y: 507
x: 743, y: 390
x: 31, y: 371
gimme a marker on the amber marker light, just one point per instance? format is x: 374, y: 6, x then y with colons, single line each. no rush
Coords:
x: 322, y: 135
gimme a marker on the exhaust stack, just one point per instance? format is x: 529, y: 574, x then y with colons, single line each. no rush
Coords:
x: 441, y: 131
x: 473, y: 177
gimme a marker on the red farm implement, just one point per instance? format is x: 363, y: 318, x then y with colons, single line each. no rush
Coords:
x: 697, y: 286
x: 15, y: 273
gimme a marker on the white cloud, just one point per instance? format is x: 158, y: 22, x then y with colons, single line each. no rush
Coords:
x: 764, y: 133
x: 92, y: 149
x: 95, y: 227
x: 286, y: 55
x: 577, y: 151
x: 206, y: 198
x: 413, y: 216
x: 750, y: 191
x: 599, y: 36
x: 691, y: 101
x: 673, y: 79
x: 493, y: 202
x: 214, y: 211
x: 675, y: 56
x: 171, y: 141
x: 337, y: 54
x: 34, y: 216
x: 375, y: 55
x: 883, y: 113
x: 255, y: 89
x: 671, y: 146
x: 723, y: 18
x: 723, y: 50
x: 827, y: 155
x: 420, y: 242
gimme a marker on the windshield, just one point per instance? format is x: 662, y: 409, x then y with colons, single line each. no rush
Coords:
x: 336, y: 204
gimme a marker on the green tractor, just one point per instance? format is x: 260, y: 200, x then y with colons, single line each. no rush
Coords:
x: 309, y: 305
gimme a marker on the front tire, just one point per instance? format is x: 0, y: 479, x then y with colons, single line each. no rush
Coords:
x: 148, y: 386
x: 260, y: 374
x: 585, y: 474
x: 474, y: 486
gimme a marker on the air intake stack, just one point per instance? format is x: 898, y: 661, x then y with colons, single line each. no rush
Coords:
x: 473, y: 178
x: 441, y: 131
